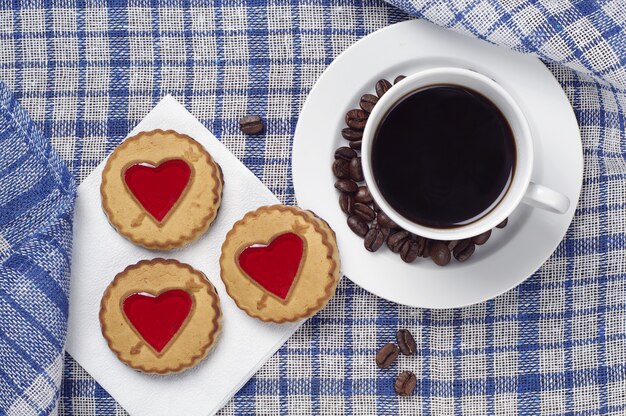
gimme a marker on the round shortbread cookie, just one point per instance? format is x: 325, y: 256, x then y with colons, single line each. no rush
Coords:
x: 280, y: 263
x: 161, y: 189
x: 160, y: 316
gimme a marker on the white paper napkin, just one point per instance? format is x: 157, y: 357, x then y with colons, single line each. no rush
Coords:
x: 100, y: 253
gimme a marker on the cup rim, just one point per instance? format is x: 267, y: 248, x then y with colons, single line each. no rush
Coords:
x: 523, y: 168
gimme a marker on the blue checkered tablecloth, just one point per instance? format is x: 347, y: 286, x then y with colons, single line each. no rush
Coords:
x: 87, y: 72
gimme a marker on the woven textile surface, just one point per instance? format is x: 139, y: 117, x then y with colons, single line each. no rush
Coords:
x: 555, y: 345
x: 36, y: 201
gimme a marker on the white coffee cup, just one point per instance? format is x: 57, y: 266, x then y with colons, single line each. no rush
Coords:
x: 521, y: 189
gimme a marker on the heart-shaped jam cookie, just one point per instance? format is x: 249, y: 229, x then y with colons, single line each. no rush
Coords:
x: 280, y: 263
x: 274, y: 266
x: 158, y: 188
x: 161, y: 189
x: 160, y: 316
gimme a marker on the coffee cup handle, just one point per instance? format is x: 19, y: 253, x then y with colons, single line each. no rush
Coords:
x: 540, y: 196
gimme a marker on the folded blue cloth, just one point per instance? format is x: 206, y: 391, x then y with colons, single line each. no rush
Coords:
x: 586, y: 36
x: 36, y: 201
x: 554, y: 345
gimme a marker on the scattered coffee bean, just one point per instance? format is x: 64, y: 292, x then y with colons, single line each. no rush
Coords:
x: 386, y: 355
x: 356, y: 145
x: 422, y: 246
x: 427, y: 243
x: 440, y: 253
x: 368, y: 101
x: 251, y: 125
x: 503, y: 223
x: 482, y: 238
x: 405, y: 383
x: 351, y: 135
x: 406, y: 342
x: 384, y: 220
x: 386, y: 231
x: 452, y: 244
x: 397, y: 240
x: 382, y: 86
x: 398, y: 79
x: 363, y: 195
x: 357, y: 225
x: 465, y: 251
x: 346, y: 202
x: 462, y: 244
x: 356, y: 119
x: 364, y: 211
x: 345, y: 153
x: 409, y: 251
x: 356, y: 169
x: 341, y: 168
x: 375, y: 238
x: 347, y: 186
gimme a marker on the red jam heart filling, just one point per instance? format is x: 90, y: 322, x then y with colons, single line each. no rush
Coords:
x: 158, y: 188
x: 274, y: 266
x: 158, y: 318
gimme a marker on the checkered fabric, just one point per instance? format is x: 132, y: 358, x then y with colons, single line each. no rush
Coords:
x: 36, y: 202
x: 555, y: 345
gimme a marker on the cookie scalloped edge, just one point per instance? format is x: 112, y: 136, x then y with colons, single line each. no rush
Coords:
x: 333, y: 271
x: 185, y: 238
x: 215, y: 305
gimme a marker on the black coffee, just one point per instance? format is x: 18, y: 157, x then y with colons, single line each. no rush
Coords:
x: 443, y: 156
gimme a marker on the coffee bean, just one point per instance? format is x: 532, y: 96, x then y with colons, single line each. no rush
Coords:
x: 462, y: 245
x: 465, y: 251
x: 347, y: 186
x: 356, y: 169
x: 356, y: 145
x: 384, y: 220
x: 346, y: 202
x: 368, y: 101
x: 382, y: 86
x: 375, y: 206
x: 375, y: 238
x: 452, y: 244
x: 482, y: 238
x: 386, y: 231
x: 440, y: 253
x: 409, y: 251
x: 386, y: 355
x: 357, y: 225
x: 398, y: 79
x: 426, y: 252
x: 422, y: 246
x: 251, y: 125
x: 396, y: 241
x: 345, y: 153
x: 406, y: 342
x: 364, y: 211
x: 341, y: 168
x: 405, y: 383
x: 356, y: 119
x: 351, y: 135
x: 363, y: 195
x: 503, y: 223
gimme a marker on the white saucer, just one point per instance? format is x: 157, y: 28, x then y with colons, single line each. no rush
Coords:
x: 512, y: 254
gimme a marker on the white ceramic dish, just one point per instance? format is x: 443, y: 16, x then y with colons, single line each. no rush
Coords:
x: 512, y: 254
